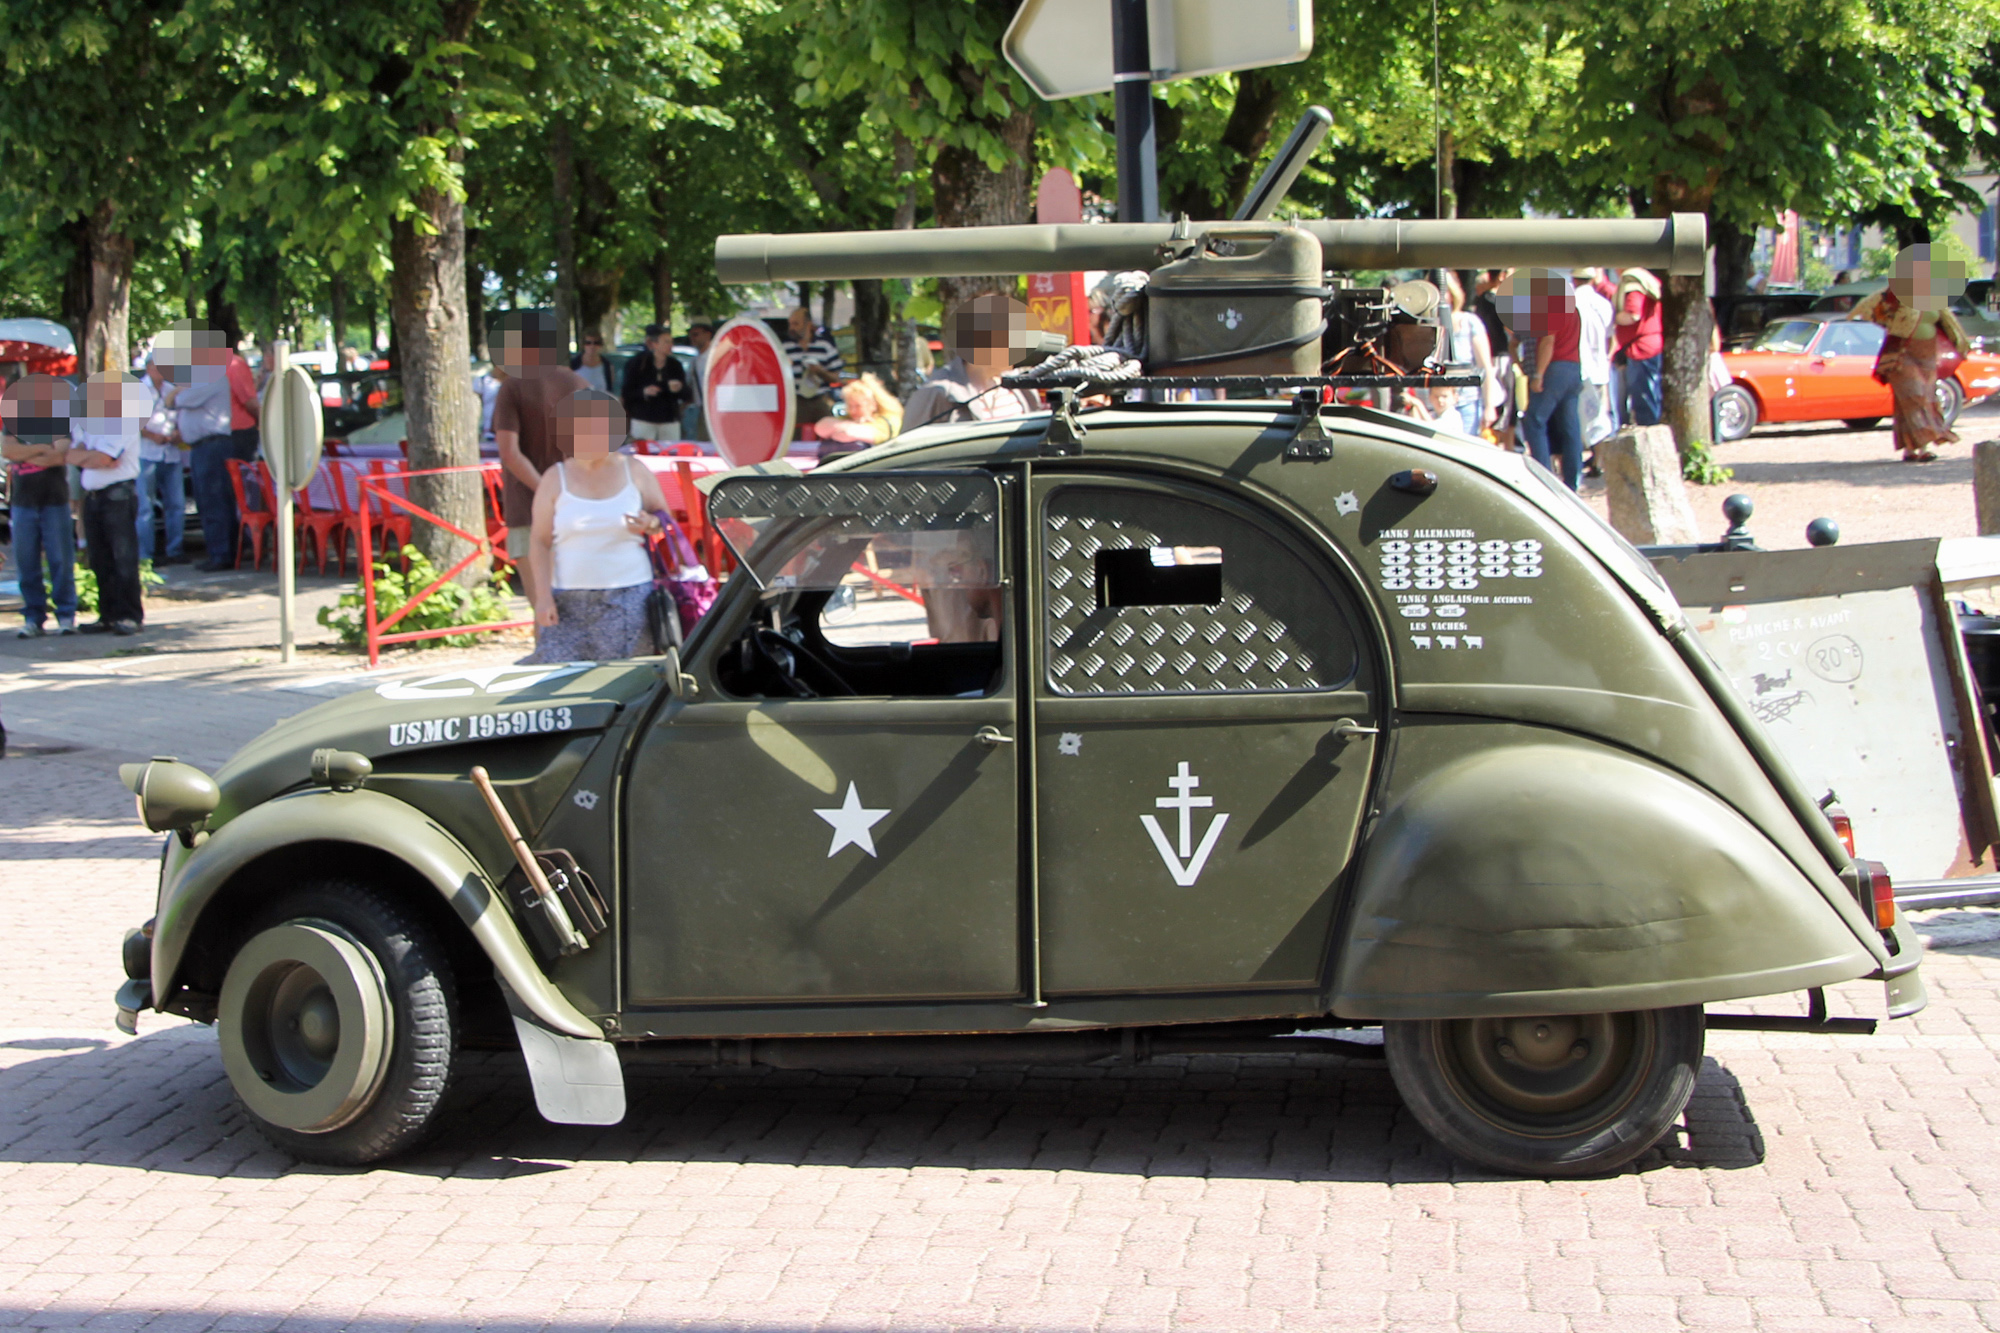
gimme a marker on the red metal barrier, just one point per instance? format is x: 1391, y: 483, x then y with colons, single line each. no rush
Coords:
x: 375, y: 484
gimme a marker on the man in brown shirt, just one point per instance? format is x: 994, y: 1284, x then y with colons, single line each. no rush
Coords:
x: 530, y: 350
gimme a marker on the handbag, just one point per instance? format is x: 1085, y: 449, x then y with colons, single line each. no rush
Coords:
x: 683, y: 589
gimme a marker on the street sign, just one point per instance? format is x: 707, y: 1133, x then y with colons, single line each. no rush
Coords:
x: 1063, y: 47
x: 751, y: 405
x: 294, y: 427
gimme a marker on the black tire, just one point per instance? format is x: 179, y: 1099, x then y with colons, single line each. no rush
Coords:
x: 1950, y: 399
x: 1861, y: 423
x: 377, y: 1082
x: 1735, y: 413
x: 1537, y: 1108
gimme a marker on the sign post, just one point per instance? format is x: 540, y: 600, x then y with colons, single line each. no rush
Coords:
x: 751, y: 407
x: 293, y: 433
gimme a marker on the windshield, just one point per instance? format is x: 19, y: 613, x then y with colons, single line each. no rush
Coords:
x: 1791, y: 335
x: 906, y: 533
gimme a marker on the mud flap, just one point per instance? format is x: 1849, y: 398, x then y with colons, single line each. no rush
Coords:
x: 577, y: 1080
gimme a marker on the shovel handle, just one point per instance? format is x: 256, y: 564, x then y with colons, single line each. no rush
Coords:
x: 515, y: 842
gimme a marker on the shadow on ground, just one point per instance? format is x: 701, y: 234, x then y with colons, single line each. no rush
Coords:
x: 162, y: 1103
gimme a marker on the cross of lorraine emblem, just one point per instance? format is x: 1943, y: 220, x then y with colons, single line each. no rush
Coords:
x: 1186, y: 867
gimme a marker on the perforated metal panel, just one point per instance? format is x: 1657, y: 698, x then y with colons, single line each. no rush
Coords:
x: 1276, y: 628
x: 915, y: 501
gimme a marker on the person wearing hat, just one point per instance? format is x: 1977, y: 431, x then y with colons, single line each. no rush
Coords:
x: 655, y: 388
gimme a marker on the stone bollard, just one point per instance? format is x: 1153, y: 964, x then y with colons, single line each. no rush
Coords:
x: 1986, y: 485
x: 1642, y: 482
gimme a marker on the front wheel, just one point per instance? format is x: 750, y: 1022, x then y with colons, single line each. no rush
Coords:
x: 338, y: 1021
x: 1950, y: 398
x: 1735, y: 413
x: 1552, y: 1095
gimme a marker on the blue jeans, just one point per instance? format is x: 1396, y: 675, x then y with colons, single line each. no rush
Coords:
x: 1468, y: 416
x: 1642, y: 390
x: 162, y: 481
x: 1552, y: 422
x: 45, y: 532
x: 214, y: 499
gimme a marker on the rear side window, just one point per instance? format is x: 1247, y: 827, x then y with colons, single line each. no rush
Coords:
x: 1150, y: 593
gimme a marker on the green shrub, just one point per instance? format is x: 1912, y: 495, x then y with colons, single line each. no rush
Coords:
x: 1698, y: 465
x: 86, y: 584
x: 452, y: 604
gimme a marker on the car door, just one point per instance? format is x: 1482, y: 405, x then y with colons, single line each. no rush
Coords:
x: 855, y: 846
x: 1204, y: 717
x: 1841, y: 371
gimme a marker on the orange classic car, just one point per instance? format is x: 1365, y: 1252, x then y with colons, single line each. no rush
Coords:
x: 1815, y: 367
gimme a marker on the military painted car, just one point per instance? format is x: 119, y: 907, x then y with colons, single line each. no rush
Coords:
x: 1092, y: 735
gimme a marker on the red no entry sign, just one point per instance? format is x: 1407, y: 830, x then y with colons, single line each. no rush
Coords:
x: 750, y: 405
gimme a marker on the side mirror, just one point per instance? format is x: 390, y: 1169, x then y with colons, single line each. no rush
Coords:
x: 173, y: 797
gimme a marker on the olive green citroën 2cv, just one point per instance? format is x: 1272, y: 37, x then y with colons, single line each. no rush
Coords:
x: 1125, y: 729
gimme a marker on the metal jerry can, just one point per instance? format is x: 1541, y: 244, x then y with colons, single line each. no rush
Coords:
x: 1240, y: 299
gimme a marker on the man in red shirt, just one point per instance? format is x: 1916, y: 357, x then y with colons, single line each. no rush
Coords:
x: 1641, y: 337
x: 1551, y: 422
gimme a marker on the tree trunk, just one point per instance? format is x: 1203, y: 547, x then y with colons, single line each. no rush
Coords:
x: 1245, y: 135
x: 663, y: 286
x: 336, y: 305
x: 1684, y: 369
x: 966, y: 194
x: 1447, y: 174
x: 1732, y: 257
x: 427, y: 304
x: 76, y: 287
x: 222, y: 312
x: 562, y: 160
x: 805, y: 296
x: 475, y: 307
x: 871, y: 330
x: 372, y: 314
x: 827, y: 295
x: 904, y: 376
x: 190, y: 309
x: 597, y: 302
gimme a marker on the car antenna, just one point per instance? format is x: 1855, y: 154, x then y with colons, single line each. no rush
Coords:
x: 1271, y: 187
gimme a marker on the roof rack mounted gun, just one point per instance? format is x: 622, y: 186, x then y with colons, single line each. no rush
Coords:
x: 1677, y: 244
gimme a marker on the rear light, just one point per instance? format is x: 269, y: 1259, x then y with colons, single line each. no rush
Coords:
x: 1880, y: 892
x: 1843, y: 827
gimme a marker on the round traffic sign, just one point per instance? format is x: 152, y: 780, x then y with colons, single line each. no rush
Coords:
x: 750, y: 405
x: 294, y: 426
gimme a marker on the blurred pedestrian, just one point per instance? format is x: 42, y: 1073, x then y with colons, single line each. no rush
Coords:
x: 34, y: 438
x: 1500, y: 343
x: 1593, y: 400
x: 1641, y: 342
x: 982, y: 336
x: 593, y: 511
x: 1606, y: 286
x: 1551, y: 423
x: 161, y: 459
x: 816, y: 366
x: 534, y: 381
x: 104, y: 447
x: 873, y: 416
x: 244, y: 406
x: 654, y: 388
x: 590, y: 363
x: 1922, y: 340
x: 197, y: 363
x: 1473, y: 406
x: 694, y: 417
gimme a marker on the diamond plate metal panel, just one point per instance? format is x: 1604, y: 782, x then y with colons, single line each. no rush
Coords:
x: 1276, y: 628
x: 915, y: 501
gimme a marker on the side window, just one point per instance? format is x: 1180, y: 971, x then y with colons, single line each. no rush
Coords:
x: 916, y: 588
x: 1148, y: 593
x: 1861, y: 339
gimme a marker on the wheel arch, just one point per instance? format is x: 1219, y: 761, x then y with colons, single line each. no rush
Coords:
x: 1564, y: 876
x: 212, y: 891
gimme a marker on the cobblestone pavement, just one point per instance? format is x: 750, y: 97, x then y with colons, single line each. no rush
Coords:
x: 1817, y: 1183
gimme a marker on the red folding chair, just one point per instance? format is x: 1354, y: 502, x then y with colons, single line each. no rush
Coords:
x: 252, y: 522
x: 389, y: 519
x: 321, y: 524
x: 383, y: 520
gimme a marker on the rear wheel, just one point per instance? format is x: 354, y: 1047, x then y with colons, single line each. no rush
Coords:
x: 1735, y: 413
x: 1554, y: 1095
x: 338, y: 1021
x: 1862, y: 423
x: 1950, y: 398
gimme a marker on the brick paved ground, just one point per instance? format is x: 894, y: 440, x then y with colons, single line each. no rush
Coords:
x: 1836, y: 1184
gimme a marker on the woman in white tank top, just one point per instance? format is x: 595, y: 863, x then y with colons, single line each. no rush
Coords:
x: 592, y: 516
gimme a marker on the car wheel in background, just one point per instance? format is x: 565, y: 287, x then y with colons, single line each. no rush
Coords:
x: 1861, y: 423
x: 1950, y: 398
x: 1549, y: 1095
x: 338, y: 1021
x: 1735, y: 413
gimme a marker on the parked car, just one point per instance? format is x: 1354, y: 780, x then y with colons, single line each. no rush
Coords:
x: 1817, y: 367
x: 1742, y: 316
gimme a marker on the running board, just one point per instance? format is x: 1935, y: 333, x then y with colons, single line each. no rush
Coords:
x: 1815, y: 1019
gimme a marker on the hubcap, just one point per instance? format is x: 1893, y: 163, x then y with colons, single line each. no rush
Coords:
x: 1730, y: 416
x: 1553, y: 1074
x: 305, y: 1026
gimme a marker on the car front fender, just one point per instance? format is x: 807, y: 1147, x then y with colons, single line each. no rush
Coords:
x: 364, y: 819
x: 1567, y: 877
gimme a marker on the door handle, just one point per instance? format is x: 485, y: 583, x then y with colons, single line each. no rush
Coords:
x: 990, y: 736
x: 1347, y: 729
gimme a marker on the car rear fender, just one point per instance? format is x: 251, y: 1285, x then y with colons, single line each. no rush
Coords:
x: 1565, y: 876
x: 223, y: 874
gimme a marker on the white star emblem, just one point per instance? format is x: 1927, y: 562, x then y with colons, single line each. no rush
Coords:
x: 851, y: 822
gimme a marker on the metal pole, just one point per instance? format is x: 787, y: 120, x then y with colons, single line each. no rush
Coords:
x: 1132, y: 81
x: 277, y: 448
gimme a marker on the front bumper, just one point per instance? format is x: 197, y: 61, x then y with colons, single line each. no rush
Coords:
x: 137, y: 992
